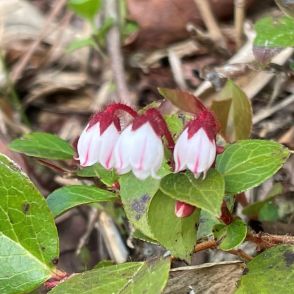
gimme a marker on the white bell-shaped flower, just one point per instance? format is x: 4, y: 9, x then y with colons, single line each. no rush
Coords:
x: 97, y: 141
x: 139, y: 150
x: 96, y: 146
x: 196, y: 152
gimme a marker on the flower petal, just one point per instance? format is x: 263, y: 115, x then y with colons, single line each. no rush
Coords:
x: 193, y: 152
x: 146, y: 151
x: 141, y: 174
x: 180, y: 151
x: 89, y: 145
x: 207, y: 153
x: 108, y: 141
x: 122, y: 151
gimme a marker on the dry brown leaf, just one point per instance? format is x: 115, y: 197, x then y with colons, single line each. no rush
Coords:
x: 162, y: 22
x: 207, y: 278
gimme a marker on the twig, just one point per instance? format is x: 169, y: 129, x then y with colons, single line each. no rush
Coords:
x: 57, y: 7
x: 176, y: 68
x: 260, y: 80
x: 205, y: 40
x: 210, y: 21
x: 264, y: 240
x: 242, y: 199
x: 268, y: 112
x: 114, y: 50
x: 112, y: 238
x: 211, y: 244
x: 241, y: 254
x: 90, y: 226
x: 239, y: 20
x: 54, y: 166
x: 226, y: 215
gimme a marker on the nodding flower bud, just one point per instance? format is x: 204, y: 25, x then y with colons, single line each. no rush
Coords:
x: 183, y: 209
x: 139, y: 148
x: 97, y: 141
x: 195, y: 148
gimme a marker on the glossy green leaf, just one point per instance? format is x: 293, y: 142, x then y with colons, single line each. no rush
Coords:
x: 269, y: 212
x: 231, y: 235
x: 68, y: 197
x: 80, y: 43
x: 274, y: 33
x: 85, y: 8
x: 253, y: 209
x: 151, y: 278
x: 139, y: 235
x: 108, y: 177
x: 176, y: 234
x: 28, y: 236
x: 272, y: 271
x: 132, y: 277
x: 100, y: 33
x: 175, y: 124
x: 233, y: 103
x: 136, y: 196
x: 206, y: 194
x: 248, y: 163
x: 43, y: 145
x: 206, y: 223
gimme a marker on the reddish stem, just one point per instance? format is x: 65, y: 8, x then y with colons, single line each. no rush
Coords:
x: 120, y: 106
x: 163, y: 126
x: 226, y: 215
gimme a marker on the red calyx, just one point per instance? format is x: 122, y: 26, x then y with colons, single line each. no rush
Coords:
x: 205, y: 120
x: 154, y: 117
x: 109, y: 116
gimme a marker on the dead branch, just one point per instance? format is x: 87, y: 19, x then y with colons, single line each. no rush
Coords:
x: 114, y: 51
x: 19, y: 68
x: 210, y: 21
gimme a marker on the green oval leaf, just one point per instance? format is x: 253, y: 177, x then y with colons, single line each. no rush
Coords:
x: 176, y: 234
x: 234, y: 112
x: 43, y: 145
x: 85, y: 8
x: 68, y: 197
x: 206, y: 194
x: 231, y: 235
x: 127, y: 278
x: 108, y: 177
x: 28, y: 236
x: 136, y: 196
x: 248, y: 163
x: 253, y: 210
x: 206, y: 223
x: 270, y: 272
x: 274, y: 33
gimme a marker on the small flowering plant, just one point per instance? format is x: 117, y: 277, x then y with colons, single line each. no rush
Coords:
x: 178, y: 176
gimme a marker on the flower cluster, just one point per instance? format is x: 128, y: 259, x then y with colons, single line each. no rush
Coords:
x: 139, y: 146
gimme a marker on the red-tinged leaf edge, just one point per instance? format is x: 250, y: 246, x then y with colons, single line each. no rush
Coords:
x: 183, y: 100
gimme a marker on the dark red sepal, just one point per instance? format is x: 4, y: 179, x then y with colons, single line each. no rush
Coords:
x: 206, y: 121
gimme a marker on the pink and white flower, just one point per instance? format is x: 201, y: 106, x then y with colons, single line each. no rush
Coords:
x: 183, y: 209
x: 195, y: 148
x: 139, y: 148
x: 97, y: 141
x: 97, y: 146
